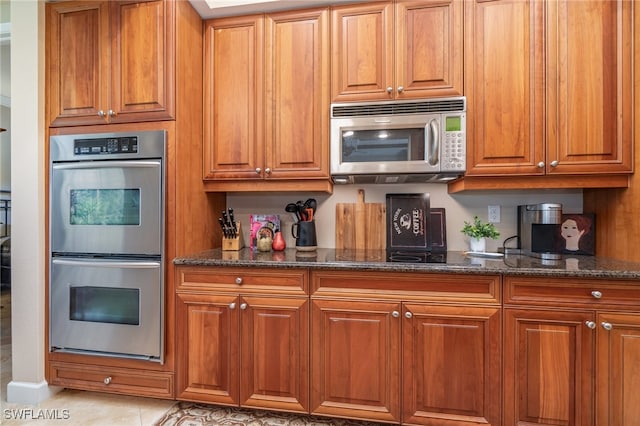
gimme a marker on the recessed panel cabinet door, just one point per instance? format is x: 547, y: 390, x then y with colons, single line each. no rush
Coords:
x: 207, y: 348
x: 618, y: 369
x: 355, y: 359
x: 297, y: 93
x: 233, y: 107
x: 548, y: 368
x: 77, y: 57
x: 142, y: 60
x: 451, y: 365
x: 275, y: 353
x: 590, y: 86
x: 504, y: 71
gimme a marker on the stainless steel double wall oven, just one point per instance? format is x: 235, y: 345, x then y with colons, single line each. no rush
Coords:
x: 106, y: 244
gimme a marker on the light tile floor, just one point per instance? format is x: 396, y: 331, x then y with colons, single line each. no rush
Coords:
x: 70, y: 407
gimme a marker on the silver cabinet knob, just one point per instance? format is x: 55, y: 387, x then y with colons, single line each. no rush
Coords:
x: 267, y: 170
x: 606, y: 325
x: 590, y: 324
x: 107, y: 380
x: 101, y: 113
x: 389, y: 89
x: 596, y: 294
x: 243, y: 306
x: 238, y: 280
x: 400, y: 89
x: 232, y: 305
x: 112, y: 113
x: 408, y: 314
x: 258, y: 170
x: 395, y: 314
x: 554, y: 163
x: 541, y: 165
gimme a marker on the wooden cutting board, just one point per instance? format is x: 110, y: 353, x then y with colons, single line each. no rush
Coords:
x: 361, y: 225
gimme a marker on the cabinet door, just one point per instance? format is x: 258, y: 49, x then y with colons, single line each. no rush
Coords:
x: 504, y: 87
x: 362, y: 52
x: 451, y: 365
x: 275, y: 353
x: 297, y: 93
x: 355, y: 359
x: 618, y: 369
x: 78, y: 71
x: 428, y: 54
x: 207, y: 348
x: 233, y: 98
x: 590, y: 86
x: 142, y: 61
x: 548, y: 368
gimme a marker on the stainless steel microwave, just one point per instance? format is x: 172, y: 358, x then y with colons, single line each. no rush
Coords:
x: 398, y: 141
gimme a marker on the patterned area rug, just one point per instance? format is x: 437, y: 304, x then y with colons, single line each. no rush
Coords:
x: 192, y: 414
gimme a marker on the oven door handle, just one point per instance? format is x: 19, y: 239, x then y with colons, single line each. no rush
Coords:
x: 105, y: 164
x: 107, y: 264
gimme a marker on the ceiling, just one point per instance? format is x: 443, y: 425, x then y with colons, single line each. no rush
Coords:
x: 219, y: 8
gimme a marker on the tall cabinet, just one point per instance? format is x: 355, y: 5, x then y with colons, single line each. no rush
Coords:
x: 549, y: 93
x: 138, y: 59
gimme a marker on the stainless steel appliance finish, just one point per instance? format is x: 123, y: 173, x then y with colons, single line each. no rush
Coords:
x: 398, y: 141
x: 539, y: 230
x: 106, y: 244
x: 106, y: 305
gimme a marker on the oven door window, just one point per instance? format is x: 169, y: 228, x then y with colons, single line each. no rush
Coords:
x: 105, y: 305
x: 104, y: 207
x: 364, y: 146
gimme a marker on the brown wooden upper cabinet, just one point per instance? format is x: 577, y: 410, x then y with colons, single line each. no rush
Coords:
x: 549, y: 87
x: 267, y: 101
x: 110, y: 62
x: 397, y: 50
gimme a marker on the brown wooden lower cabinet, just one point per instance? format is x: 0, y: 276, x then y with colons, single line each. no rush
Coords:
x: 406, y: 362
x: 250, y: 351
x: 571, y: 352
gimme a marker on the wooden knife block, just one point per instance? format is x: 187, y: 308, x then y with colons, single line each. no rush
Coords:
x: 233, y: 244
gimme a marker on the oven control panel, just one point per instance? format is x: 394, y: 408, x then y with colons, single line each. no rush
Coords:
x: 112, y: 145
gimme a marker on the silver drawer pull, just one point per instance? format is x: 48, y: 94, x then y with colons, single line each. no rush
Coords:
x: 596, y: 294
x: 606, y: 325
x: 243, y: 306
x: 232, y: 305
x: 107, y: 380
x: 408, y: 315
x: 238, y: 280
x: 590, y: 324
x: 395, y: 314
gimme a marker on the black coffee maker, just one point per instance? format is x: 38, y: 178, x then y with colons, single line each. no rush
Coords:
x: 539, y: 230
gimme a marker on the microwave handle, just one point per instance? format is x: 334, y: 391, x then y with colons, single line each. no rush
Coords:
x: 432, y: 142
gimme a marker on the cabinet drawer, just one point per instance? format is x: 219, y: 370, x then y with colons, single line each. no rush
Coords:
x: 113, y: 380
x: 243, y: 280
x: 583, y: 292
x: 416, y: 286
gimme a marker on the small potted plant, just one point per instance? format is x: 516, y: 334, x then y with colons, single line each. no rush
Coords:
x: 479, y: 231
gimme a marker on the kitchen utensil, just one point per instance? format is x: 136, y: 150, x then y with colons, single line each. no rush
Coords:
x: 232, y: 219
x: 305, y: 234
x: 361, y: 225
x: 301, y: 210
x: 292, y: 208
x: 225, y: 232
x: 312, y: 204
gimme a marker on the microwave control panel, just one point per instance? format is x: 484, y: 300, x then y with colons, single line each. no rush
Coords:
x: 454, y: 143
x: 114, y: 145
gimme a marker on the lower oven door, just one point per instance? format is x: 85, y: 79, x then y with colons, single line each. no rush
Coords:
x: 107, y: 307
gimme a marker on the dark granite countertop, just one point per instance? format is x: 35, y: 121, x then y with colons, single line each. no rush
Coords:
x: 452, y: 262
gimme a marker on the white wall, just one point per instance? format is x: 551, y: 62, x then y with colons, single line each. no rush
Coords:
x: 28, y: 383
x: 458, y: 207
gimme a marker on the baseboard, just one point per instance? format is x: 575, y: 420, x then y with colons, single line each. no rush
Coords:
x: 30, y: 393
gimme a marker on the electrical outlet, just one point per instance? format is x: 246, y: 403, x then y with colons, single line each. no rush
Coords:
x: 494, y: 214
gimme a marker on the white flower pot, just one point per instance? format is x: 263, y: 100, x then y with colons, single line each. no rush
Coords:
x: 478, y: 244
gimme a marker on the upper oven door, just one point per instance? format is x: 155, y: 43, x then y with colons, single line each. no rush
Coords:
x: 107, y: 207
x: 378, y: 145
